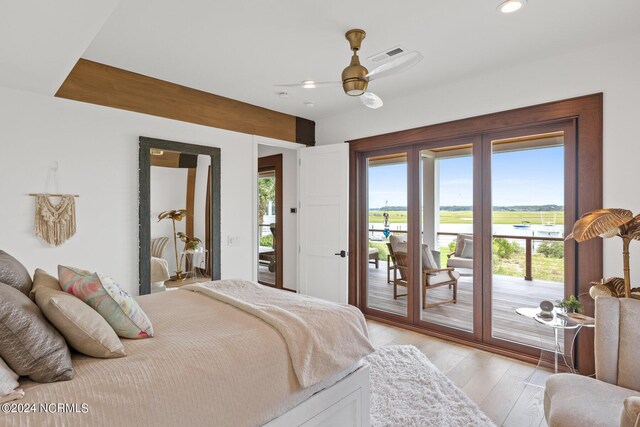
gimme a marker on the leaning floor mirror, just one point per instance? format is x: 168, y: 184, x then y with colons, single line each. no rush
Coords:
x: 179, y: 214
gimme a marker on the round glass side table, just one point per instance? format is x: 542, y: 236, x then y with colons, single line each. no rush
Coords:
x: 559, y: 322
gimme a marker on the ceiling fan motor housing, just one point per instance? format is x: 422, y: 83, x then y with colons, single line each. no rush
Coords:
x: 353, y: 77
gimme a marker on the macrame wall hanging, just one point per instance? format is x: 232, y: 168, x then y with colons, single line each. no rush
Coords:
x: 55, y: 223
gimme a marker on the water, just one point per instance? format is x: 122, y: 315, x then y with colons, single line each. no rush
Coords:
x: 535, y: 230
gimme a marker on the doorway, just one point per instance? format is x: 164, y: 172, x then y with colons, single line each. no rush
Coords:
x: 270, y: 224
x: 454, y: 233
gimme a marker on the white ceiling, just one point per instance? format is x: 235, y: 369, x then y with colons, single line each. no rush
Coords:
x: 40, y: 41
x: 241, y: 48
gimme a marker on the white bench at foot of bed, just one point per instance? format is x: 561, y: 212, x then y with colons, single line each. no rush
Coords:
x: 346, y: 403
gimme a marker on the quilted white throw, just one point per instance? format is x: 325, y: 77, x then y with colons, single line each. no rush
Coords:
x: 323, y: 338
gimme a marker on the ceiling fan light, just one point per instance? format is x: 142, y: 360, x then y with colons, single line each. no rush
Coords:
x: 355, y: 87
x: 511, y: 6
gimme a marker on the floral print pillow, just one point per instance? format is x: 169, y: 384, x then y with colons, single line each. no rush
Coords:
x: 106, y: 297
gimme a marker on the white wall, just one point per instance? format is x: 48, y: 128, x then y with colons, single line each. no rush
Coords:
x: 612, y: 68
x: 289, y: 220
x: 97, y: 150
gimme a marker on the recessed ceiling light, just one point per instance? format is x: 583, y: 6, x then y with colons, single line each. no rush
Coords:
x: 308, y: 84
x: 511, y: 6
x: 309, y: 104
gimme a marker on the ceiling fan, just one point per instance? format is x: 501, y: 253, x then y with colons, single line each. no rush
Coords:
x: 356, y: 78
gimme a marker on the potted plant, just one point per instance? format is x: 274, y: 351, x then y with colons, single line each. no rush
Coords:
x: 570, y: 305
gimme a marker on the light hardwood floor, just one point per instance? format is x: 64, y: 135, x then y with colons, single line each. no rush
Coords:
x: 494, y: 382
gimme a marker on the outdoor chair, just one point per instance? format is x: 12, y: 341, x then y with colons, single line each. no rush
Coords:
x: 396, y: 243
x: 374, y: 257
x: 432, y: 277
x: 462, y: 257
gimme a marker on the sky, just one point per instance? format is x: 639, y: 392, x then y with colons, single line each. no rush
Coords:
x: 527, y: 177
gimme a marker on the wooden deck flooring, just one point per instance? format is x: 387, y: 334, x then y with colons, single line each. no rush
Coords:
x: 495, y: 383
x: 509, y: 293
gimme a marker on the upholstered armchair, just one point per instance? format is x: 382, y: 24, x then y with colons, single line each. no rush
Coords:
x: 613, y: 397
x: 462, y: 257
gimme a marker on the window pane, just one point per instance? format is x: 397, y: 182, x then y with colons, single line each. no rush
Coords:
x: 387, y: 230
x: 447, y: 236
x: 528, y: 232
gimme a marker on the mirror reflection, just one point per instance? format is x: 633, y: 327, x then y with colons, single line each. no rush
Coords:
x: 180, y: 226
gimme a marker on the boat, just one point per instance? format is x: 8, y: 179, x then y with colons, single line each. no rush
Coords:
x: 525, y: 225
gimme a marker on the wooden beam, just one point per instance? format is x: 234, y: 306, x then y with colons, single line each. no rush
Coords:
x: 102, y: 84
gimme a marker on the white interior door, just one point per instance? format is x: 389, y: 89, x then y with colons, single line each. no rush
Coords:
x: 324, y: 221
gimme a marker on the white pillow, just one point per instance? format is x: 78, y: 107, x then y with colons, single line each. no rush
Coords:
x: 8, y: 379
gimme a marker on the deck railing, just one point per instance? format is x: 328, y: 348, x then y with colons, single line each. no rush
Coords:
x: 528, y: 244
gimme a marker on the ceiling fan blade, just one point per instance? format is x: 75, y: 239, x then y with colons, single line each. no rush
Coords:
x: 371, y: 100
x: 395, y: 66
x: 314, y: 85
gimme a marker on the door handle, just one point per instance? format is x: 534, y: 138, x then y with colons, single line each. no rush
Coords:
x: 342, y: 254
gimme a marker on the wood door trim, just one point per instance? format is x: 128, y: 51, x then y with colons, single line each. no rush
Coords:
x: 587, y: 112
x: 274, y: 163
x: 588, y: 106
x: 109, y: 86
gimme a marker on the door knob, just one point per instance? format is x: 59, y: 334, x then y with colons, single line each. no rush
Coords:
x: 342, y: 254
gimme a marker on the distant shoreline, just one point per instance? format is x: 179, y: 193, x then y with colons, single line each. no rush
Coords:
x: 514, y: 208
x: 466, y: 217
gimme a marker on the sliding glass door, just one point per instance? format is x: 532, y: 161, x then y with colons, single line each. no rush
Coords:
x: 459, y: 233
x: 529, y: 209
x: 388, y: 277
x: 450, y: 275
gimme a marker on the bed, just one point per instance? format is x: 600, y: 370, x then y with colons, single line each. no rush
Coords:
x: 209, y: 363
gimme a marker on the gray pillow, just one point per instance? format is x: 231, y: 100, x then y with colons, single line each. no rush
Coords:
x: 31, y: 346
x: 14, y: 274
x: 467, y: 249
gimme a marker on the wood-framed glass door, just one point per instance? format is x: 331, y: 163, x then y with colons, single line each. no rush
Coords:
x: 529, y: 207
x: 471, y: 212
x: 448, y: 239
x: 579, y: 121
x: 387, y: 222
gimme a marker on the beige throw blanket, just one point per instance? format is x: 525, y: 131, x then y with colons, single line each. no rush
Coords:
x: 323, y: 338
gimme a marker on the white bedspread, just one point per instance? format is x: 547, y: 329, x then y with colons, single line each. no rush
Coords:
x: 209, y: 364
x: 323, y: 338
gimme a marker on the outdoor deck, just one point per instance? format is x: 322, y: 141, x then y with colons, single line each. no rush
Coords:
x: 509, y: 293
